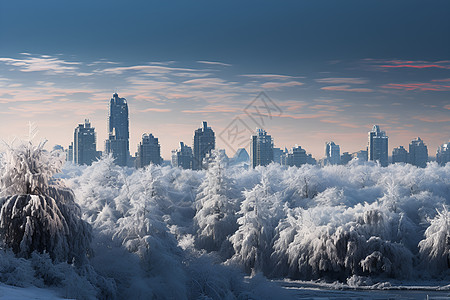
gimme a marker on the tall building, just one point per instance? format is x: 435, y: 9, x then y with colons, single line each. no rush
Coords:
x: 149, y: 151
x: 261, y: 148
x: 399, y: 155
x: 443, y: 154
x: 204, y: 142
x: 360, y: 155
x: 378, y: 146
x: 418, y: 153
x: 84, y: 144
x: 345, y: 158
x: 332, y: 152
x: 277, y: 155
x: 69, y: 153
x: 296, y: 157
x: 118, y: 130
x: 182, y: 157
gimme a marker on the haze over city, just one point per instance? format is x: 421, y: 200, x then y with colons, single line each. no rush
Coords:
x: 331, y: 79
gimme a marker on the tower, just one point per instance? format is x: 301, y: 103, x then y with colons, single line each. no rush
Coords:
x: 118, y: 130
x: 378, y: 146
x: 84, y: 149
x: 204, y: 142
x: 261, y: 148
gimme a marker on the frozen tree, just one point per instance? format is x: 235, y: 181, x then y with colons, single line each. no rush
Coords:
x: 215, y: 204
x: 37, y: 212
x: 435, y: 248
x: 260, y: 212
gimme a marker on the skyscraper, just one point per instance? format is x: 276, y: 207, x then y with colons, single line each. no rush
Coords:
x: 261, y: 148
x: 84, y: 144
x: 378, y: 146
x: 204, y: 142
x: 443, y: 154
x: 418, y: 153
x: 149, y: 151
x: 118, y: 132
x: 296, y: 157
x: 399, y: 155
x: 182, y: 157
x: 333, y: 153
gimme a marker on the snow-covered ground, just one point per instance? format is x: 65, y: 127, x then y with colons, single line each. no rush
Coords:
x: 315, y: 290
x: 8, y: 292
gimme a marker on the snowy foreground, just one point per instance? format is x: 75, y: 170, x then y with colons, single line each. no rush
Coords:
x: 361, y: 230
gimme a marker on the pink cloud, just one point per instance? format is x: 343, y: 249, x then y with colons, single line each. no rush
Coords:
x: 277, y: 85
x: 346, y: 88
x: 434, y: 119
x: 417, y: 86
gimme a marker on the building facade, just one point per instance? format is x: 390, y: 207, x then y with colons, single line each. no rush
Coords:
x: 378, y: 146
x: 443, y: 154
x: 182, y: 157
x: 296, y: 157
x: 332, y: 153
x: 399, y: 155
x: 204, y: 143
x: 84, y: 149
x: 345, y: 158
x: 261, y: 148
x: 118, y: 130
x: 418, y: 153
x: 149, y: 151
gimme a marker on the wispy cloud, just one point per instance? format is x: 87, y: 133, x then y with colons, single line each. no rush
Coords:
x: 414, y: 64
x: 346, y: 88
x: 154, y: 109
x: 424, y: 86
x: 217, y: 63
x: 43, y: 63
x: 434, y: 119
x: 270, y: 76
x: 342, y: 80
x: 277, y: 85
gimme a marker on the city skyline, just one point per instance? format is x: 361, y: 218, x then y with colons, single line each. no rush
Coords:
x: 331, y: 80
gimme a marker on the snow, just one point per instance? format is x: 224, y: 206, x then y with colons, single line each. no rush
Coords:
x: 8, y: 292
x: 359, y: 230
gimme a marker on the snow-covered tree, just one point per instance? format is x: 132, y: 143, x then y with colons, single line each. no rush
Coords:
x: 216, y: 205
x: 37, y: 212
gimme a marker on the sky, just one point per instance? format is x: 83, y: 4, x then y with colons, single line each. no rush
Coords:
x: 306, y: 71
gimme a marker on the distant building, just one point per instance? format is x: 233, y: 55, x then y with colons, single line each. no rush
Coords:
x: 418, y: 153
x: 241, y: 156
x: 84, y: 144
x: 296, y: 157
x: 443, y: 154
x: 261, y: 148
x: 277, y: 155
x: 182, y: 157
x: 332, y: 153
x: 149, y: 151
x: 118, y: 130
x: 399, y: 155
x: 360, y: 155
x: 310, y: 160
x: 345, y: 158
x: 69, y: 153
x: 204, y: 142
x: 378, y: 146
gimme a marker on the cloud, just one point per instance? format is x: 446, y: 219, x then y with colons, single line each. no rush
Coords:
x: 414, y: 64
x: 277, y: 85
x: 212, y: 109
x: 417, y: 86
x: 335, y: 80
x: 44, y: 63
x: 146, y: 69
x: 153, y: 109
x: 270, y: 76
x: 346, y: 88
x: 434, y: 119
x: 213, y: 63
x: 447, y: 106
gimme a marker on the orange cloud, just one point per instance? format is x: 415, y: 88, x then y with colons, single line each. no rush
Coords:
x: 346, y: 88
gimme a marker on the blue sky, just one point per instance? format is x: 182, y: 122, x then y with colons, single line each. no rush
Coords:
x: 333, y: 68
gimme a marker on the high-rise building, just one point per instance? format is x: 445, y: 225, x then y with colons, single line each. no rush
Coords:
x: 149, y: 151
x: 332, y: 152
x: 69, y: 153
x: 204, y: 143
x: 277, y: 155
x: 360, y: 155
x: 118, y: 130
x: 261, y: 148
x: 443, y: 154
x: 182, y: 157
x: 345, y: 158
x: 418, y: 153
x: 296, y: 157
x: 84, y: 144
x: 378, y: 146
x: 399, y: 155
